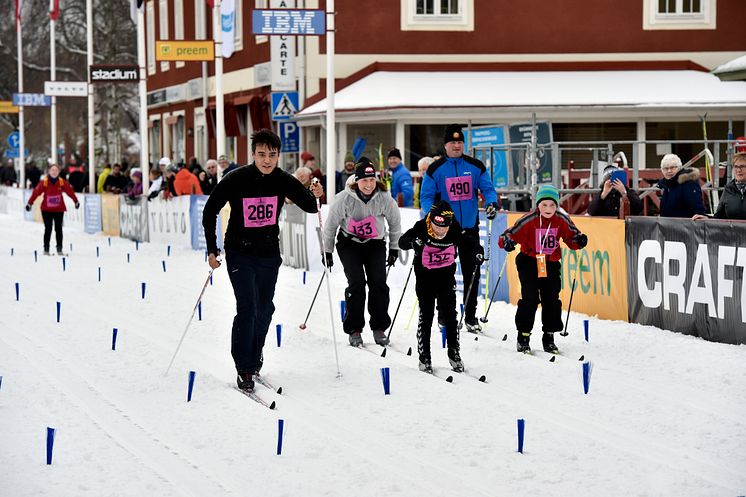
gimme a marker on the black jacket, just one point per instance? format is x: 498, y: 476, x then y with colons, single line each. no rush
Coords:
x: 208, y: 185
x: 242, y: 188
x: 454, y: 237
x: 732, y: 203
x: 609, y: 206
x: 682, y: 195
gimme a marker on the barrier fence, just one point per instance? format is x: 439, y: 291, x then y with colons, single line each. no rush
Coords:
x: 676, y: 274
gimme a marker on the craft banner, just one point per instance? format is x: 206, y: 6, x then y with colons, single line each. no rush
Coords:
x: 688, y: 276
x: 133, y: 218
x: 74, y: 218
x: 110, y: 214
x: 600, y: 269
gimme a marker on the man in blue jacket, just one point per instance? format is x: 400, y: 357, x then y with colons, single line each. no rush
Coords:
x: 456, y: 178
x: 401, y: 180
x: 681, y: 195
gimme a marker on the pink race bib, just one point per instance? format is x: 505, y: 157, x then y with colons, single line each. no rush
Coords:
x: 546, y: 241
x: 259, y: 211
x: 459, y: 188
x: 54, y: 200
x: 434, y: 258
x: 365, y: 228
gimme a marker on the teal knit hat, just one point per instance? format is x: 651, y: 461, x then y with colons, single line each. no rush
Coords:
x: 547, y: 192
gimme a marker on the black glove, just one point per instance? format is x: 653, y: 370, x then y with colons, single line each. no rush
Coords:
x: 581, y: 240
x: 508, y: 243
x: 479, y: 258
x: 77, y: 205
x: 418, y: 242
x: 328, y: 260
x: 491, y: 210
x: 28, y: 207
x: 393, y: 256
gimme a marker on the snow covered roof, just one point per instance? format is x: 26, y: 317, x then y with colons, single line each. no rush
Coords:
x: 732, y: 67
x: 661, y: 89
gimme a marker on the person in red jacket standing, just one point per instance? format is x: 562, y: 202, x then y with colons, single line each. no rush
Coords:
x: 185, y: 182
x: 53, y: 205
x: 539, y: 267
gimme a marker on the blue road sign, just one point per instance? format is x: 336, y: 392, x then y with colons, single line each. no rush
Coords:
x: 284, y: 105
x: 290, y: 136
x: 288, y: 22
x: 15, y: 153
x: 31, y: 100
x: 14, y: 140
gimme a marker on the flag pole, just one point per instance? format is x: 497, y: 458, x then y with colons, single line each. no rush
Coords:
x: 144, y: 145
x: 217, y: 29
x: 91, y: 135
x: 21, y: 132
x: 331, y: 146
x: 53, y: 77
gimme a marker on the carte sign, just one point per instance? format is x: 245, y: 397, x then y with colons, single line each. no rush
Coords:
x: 184, y: 50
x: 125, y: 73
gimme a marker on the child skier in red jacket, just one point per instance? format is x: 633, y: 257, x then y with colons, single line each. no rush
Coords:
x: 539, y: 267
x: 53, y: 206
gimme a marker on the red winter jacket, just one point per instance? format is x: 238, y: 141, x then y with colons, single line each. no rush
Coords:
x: 53, y: 201
x: 530, y: 232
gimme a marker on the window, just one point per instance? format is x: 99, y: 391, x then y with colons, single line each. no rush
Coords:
x: 163, y: 27
x: 238, y: 28
x: 437, y: 15
x: 679, y: 14
x: 200, y: 19
x: 150, y: 28
x: 179, y: 24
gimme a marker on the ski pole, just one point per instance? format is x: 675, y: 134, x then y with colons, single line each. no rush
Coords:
x: 406, y: 283
x: 199, y: 299
x: 569, y: 305
x: 328, y: 285
x: 466, y: 299
x: 411, y: 316
x: 303, y: 326
x: 494, y: 289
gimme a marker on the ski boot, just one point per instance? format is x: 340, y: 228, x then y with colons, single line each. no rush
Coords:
x: 245, y: 381
x: 355, y: 339
x: 523, y: 342
x: 547, y: 340
x: 380, y: 337
x: 426, y: 365
x: 472, y: 325
x: 455, y: 359
x: 261, y: 363
x: 60, y: 252
x: 46, y: 251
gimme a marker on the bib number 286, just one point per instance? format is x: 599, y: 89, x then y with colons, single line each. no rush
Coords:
x: 259, y: 211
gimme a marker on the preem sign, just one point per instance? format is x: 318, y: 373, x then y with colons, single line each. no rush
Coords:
x: 115, y: 74
x: 185, y: 50
x: 688, y: 276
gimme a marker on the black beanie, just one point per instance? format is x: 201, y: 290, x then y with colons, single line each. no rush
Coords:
x: 364, y: 169
x: 394, y: 152
x: 441, y: 213
x: 453, y: 134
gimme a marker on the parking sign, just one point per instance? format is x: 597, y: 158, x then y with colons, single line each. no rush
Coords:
x: 290, y: 136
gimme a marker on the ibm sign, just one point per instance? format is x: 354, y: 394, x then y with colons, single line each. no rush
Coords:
x: 288, y: 22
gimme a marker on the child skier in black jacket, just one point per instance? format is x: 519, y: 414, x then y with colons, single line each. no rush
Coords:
x: 434, y: 241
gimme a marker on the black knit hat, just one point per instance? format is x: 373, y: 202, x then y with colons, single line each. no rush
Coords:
x: 441, y: 214
x: 364, y: 169
x: 453, y: 133
x: 394, y: 152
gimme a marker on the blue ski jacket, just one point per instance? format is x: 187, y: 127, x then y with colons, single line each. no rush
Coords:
x: 457, y: 180
x: 401, y: 182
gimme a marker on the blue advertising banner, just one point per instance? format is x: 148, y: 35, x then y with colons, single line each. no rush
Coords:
x: 92, y: 213
x: 196, y: 207
x: 497, y: 257
x: 288, y: 22
x: 497, y: 162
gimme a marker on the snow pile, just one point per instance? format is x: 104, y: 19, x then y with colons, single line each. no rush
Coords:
x: 664, y: 414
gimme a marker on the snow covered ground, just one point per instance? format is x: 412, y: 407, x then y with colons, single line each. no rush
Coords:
x: 665, y: 415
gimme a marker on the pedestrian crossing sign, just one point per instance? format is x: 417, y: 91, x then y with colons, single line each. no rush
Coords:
x: 284, y: 105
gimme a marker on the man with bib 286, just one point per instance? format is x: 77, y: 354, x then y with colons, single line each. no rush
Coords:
x: 456, y: 178
x: 256, y: 194
x: 361, y: 213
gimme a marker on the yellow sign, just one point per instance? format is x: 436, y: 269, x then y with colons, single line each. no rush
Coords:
x: 110, y: 214
x: 600, y: 269
x: 7, y: 107
x: 184, y: 50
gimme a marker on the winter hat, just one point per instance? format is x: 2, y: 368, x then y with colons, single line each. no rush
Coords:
x: 394, y: 152
x: 453, y: 133
x: 441, y: 214
x: 136, y: 171
x: 548, y: 192
x: 165, y: 161
x: 364, y: 169
x: 173, y: 167
x: 349, y: 157
x: 306, y: 156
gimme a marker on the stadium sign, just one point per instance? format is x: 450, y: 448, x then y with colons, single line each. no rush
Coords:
x: 125, y: 73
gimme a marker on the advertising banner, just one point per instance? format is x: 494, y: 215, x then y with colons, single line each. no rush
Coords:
x: 293, y: 242
x: 600, y: 269
x: 133, y: 218
x: 92, y: 213
x: 12, y: 202
x: 27, y: 215
x: 169, y: 221
x: 688, y: 276
x: 496, y: 258
x: 196, y: 207
x: 521, y: 134
x: 110, y: 214
x: 74, y: 218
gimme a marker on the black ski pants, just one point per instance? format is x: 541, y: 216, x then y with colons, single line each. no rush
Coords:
x: 365, y: 263
x: 49, y: 218
x: 467, y: 253
x: 431, y: 288
x: 535, y: 290
x: 254, y: 280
